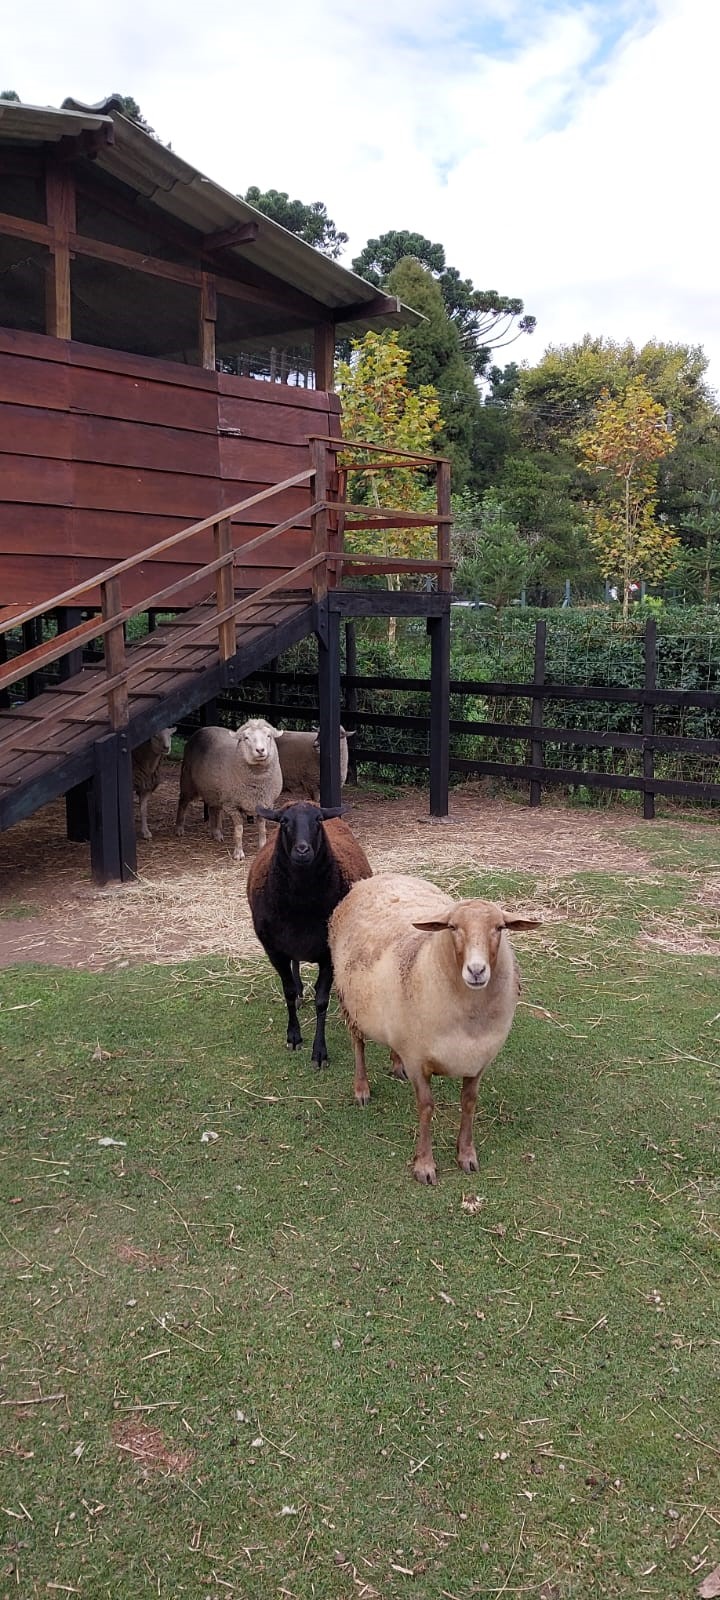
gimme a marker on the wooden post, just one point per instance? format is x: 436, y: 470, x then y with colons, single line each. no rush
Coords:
x: 77, y: 813
x: 4, y: 693
x: 114, y: 652
x: 536, y: 710
x: 351, y: 695
x: 32, y: 636
x: 112, y: 829
x: 443, y: 532
x: 329, y: 705
x: 319, y: 462
x: 208, y: 319
x: 439, y: 630
x: 61, y: 216
x: 648, y: 719
x: 324, y: 355
x: 225, y: 589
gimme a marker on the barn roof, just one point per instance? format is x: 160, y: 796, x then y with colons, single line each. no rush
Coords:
x: 137, y: 159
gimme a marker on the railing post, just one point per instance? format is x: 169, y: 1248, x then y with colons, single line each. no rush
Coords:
x: 439, y: 630
x: 536, y: 710
x: 443, y: 530
x: 648, y: 719
x: 319, y: 519
x: 114, y: 652
x: 225, y: 589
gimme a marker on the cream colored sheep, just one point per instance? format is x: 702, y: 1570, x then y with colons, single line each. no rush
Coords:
x: 300, y: 762
x: 433, y: 978
x: 233, y: 772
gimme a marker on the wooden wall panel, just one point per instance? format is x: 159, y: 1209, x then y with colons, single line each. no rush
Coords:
x: 103, y: 454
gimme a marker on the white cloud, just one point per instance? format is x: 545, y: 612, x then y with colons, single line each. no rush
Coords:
x: 558, y: 150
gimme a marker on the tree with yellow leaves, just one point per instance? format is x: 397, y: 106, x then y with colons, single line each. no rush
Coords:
x: 628, y: 439
x: 379, y: 407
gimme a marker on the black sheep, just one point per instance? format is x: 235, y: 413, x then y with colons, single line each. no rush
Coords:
x: 294, y: 884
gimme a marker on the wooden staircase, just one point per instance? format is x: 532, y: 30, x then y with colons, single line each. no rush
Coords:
x: 77, y: 737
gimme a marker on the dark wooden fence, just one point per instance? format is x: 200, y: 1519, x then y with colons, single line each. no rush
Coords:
x: 535, y: 733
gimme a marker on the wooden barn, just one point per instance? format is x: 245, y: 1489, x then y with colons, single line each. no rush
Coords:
x: 168, y: 442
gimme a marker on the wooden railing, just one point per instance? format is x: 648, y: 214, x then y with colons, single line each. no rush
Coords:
x: 328, y: 518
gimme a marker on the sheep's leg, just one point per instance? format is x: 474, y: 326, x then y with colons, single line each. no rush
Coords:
x: 298, y: 980
x: 467, y: 1158
x: 262, y: 831
x: 182, y: 811
x: 215, y: 823
x: 144, y: 828
x: 423, y: 1164
x: 283, y: 967
x: 396, y: 1066
x: 237, y: 825
x: 322, y: 997
x: 362, y: 1086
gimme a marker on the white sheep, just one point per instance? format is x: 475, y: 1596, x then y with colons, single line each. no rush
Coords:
x: 300, y: 762
x: 433, y: 978
x: 233, y: 772
x: 146, y: 760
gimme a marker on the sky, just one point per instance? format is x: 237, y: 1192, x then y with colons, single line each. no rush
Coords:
x: 564, y: 153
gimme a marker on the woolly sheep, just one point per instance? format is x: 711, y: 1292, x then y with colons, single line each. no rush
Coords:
x: 146, y: 762
x: 433, y: 978
x: 233, y: 772
x: 293, y: 886
x: 300, y: 762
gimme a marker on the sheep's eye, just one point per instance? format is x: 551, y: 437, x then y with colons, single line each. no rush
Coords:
x: 500, y: 927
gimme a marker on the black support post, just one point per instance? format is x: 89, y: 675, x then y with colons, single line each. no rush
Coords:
x: 351, y: 695
x: 112, y: 827
x: 439, y: 630
x: 536, y: 710
x: 648, y: 719
x: 328, y: 637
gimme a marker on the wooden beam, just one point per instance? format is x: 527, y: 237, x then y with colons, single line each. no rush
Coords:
x: 208, y: 319
x: 324, y: 333
x: 328, y: 638
x: 225, y: 238
x: 60, y: 204
x: 439, y: 630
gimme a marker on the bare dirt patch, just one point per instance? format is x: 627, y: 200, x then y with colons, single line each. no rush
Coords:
x: 189, y: 899
x: 149, y: 1449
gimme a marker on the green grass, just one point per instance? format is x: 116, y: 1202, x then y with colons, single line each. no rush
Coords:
x: 507, y: 1385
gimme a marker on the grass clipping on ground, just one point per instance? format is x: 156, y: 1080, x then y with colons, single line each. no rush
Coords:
x: 241, y: 1353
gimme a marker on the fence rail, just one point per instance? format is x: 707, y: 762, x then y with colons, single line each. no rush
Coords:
x: 536, y: 734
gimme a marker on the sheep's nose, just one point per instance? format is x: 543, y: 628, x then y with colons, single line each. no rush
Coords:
x: 476, y: 974
x: 302, y: 848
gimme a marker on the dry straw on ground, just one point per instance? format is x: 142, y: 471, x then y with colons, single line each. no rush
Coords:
x: 189, y: 899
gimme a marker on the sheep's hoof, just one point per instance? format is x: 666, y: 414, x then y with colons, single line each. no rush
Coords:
x: 145, y: 833
x: 294, y: 1040
x: 180, y: 832
x: 362, y: 1097
x: 425, y: 1172
x: 468, y: 1161
x: 238, y: 855
x: 319, y: 1062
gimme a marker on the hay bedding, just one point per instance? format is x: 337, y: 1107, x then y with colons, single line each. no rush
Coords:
x: 189, y: 899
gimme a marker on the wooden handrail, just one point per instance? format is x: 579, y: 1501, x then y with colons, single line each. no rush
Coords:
x: 338, y: 444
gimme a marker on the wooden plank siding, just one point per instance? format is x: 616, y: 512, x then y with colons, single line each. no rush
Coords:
x: 103, y: 454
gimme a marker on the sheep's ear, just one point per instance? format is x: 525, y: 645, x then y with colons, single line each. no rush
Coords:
x: 328, y: 812
x: 277, y: 733
x: 436, y: 926
x: 521, y: 924
x: 351, y: 734
x: 270, y: 816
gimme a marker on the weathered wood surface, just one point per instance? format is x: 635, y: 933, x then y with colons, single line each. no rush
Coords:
x: 103, y: 454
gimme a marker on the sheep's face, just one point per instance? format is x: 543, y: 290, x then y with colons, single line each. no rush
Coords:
x: 161, y: 742
x: 477, y: 927
x: 301, y: 830
x: 256, y: 741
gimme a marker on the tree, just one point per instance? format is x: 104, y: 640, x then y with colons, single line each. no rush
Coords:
x: 628, y: 439
x: 493, y: 560
x: 310, y: 222
x: 700, y: 560
x: 131, y: 109
x: 485, y: 320
x: 9, y: 94
x: 436, y: 358
x: 379, y: 407
x: 558, y: 397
